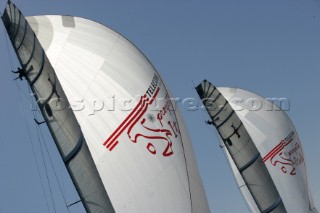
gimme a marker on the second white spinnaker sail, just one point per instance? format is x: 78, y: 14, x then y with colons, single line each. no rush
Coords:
x: 278, y: 142
x: 274, y: 137
x: 241, y: 148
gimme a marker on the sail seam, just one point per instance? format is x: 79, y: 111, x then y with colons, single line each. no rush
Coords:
x: 33, y: 50
x: 227, y: 118
x: 11, y: 16
x: 273, y: 206
x: 10, y: 12
x: 204, y: 100
x: 207, y: 90
x: 41, y: 69
x: 224, y: 105
x: 214, y: 89
x: 106, y: 59
x: 75, y: 151
x: 18, y: 27
x: 50, y: 96
x: 24, y: 35
x: 247, y: 165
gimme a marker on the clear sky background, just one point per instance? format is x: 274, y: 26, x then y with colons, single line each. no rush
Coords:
x: 270, y: 47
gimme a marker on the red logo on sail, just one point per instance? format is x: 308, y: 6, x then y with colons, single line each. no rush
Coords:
x: 286, y: 160
x: 138, y: 126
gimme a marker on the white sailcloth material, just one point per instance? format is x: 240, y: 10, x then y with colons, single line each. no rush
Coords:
x: 137, y: 140
x: 242, y: 151
x: 277, y: 140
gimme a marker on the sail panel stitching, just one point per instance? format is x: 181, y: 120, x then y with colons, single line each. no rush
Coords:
x: 41, y: 69
x: 273, y: 206
x: 75, y: 150
x: 247, y: 165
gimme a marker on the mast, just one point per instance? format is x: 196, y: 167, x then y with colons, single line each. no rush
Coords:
x: 241, y: 149
x: 60, y: 119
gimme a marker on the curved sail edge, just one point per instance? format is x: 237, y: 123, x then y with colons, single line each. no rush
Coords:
x: 142, y: 150
x: 277, y: 140
x: 61, y: 122
x: 242, y: 150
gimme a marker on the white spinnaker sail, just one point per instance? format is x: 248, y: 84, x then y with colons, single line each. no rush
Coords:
x: 241, y: 148
x: 277, y: 140
x: 141, y: 148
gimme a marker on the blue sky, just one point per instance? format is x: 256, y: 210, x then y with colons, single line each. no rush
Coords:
x: 269, y: 47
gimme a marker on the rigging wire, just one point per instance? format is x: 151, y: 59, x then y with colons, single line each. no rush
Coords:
x: 46, y: 170
x: 30, y: 99
x: 45, y: 166
x: 76, y: 195
x: 36, y: 109
x: 21, y: 92
x: 54, y: 170
x: 26, y: 122
x: 33, y: 149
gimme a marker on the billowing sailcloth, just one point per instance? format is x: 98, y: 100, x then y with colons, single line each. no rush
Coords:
x: 125, y: 146
x: 278, y: 142
x: 275, y: 139
x: 242, y: 150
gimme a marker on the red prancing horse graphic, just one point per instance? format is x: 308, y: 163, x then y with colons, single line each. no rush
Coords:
x: 136, y: 119
x: 278, y: 156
